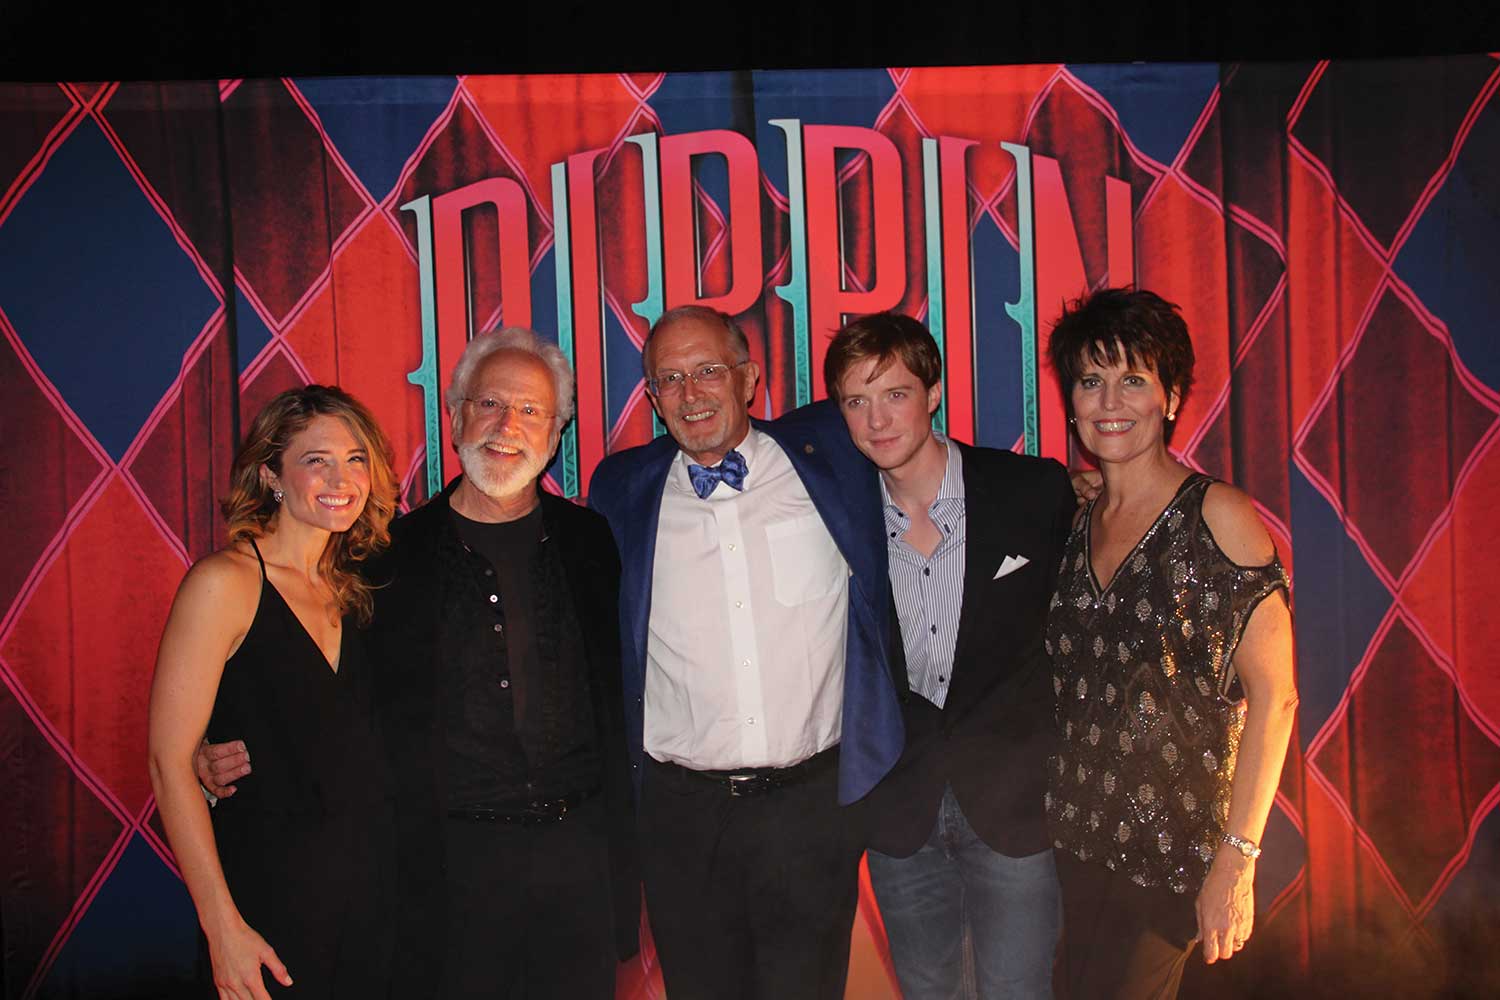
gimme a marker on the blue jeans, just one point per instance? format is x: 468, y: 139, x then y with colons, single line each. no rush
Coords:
x: 955, y: 888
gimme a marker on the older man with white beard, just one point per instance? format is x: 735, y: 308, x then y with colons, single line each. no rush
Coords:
x: 495, y: 629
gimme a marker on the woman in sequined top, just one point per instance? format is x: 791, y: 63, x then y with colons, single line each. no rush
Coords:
x: 1173, y: 671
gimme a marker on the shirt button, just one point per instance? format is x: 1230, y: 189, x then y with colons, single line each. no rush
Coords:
x: 731, y: 546
x: 499, y: 627
x: 926, y: 571
x: 494, y: 598
x: 934, y: 630
x: 745, y: 663
x: 739, y: 604
x: 505, y: 682
x: 488, y: 571
x: 942, y: 680
x: 750, y: 721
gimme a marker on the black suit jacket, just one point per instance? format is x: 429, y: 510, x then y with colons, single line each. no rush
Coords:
x: 408, y: 617
x: 992, y: 738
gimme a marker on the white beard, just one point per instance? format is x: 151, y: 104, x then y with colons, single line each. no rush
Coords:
x: 497, y: 484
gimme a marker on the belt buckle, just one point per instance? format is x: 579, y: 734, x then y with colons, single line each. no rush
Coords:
x: 542, y: 811
x: 742, y: 785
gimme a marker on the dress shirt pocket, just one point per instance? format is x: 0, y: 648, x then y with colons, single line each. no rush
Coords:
x: 805, y: 561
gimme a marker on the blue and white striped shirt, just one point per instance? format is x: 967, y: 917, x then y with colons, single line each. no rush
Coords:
x: 929, y: 590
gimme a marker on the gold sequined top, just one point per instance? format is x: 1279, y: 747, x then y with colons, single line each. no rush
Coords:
x: 1148, y: 706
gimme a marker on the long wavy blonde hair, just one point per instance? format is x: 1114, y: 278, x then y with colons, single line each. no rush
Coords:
x: 250, y: 508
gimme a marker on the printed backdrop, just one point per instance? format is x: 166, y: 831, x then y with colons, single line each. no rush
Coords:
x: 171, y: 255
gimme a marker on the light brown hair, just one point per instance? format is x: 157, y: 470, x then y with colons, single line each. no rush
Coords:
x: 250, y: 508
x: 888, y: 337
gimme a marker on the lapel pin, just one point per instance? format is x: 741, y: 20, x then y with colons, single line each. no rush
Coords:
x: 808, y: 448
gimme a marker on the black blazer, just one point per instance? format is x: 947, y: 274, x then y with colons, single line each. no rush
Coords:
x: 992, y: 738
x: 406, y: 624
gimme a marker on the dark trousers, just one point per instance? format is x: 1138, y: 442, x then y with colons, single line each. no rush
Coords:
x: 754, y: 896
x: 1120, y: 940
x: 529, y: 909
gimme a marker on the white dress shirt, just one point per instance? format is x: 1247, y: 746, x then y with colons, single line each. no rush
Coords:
x: 749, y: 608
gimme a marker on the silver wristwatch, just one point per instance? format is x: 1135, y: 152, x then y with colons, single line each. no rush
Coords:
x: 1249, y: 848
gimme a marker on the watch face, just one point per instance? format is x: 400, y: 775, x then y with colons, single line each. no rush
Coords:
x: 1245, y: 847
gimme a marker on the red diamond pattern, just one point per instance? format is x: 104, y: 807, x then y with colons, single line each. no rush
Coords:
x: 1385, y: 734
x: 1351, y: 441
x: 83, y: 613
x: 1275, y: 230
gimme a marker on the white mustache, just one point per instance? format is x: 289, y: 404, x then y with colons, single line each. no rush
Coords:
x: 498, y: 443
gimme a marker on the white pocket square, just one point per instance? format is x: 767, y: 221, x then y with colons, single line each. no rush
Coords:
x: 1009, y: 565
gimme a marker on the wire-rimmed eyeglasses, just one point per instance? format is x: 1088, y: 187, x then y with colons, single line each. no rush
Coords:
x: 669, y: 383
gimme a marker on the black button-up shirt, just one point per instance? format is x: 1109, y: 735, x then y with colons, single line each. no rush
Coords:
x: 519, y: 718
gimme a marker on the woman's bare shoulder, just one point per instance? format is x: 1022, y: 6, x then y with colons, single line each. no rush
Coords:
x: 1236, y: 526
x: 230, y: 576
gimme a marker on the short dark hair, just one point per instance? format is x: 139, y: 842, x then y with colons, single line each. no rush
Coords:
x: 889, y: 337
x: 1144, y: 327
x: 738, y: 342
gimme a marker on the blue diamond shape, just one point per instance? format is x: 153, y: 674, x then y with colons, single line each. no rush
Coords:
x: 699, y: 102
x: 251, y: 334
x: 1157, y: 104
x: 138, y: 938
x: 377, y: 122
x: 544, y: 294
x: 622, y: 367
x: 1465, y: 917
x: 817, y: 97
x: 1340, y: 603
x: 1451, y: 258
x: 1285, y: 854
x: 997, y: 280
x: 98, y: 288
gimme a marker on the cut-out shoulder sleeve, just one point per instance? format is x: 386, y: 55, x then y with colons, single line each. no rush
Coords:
x: 1236, y: 527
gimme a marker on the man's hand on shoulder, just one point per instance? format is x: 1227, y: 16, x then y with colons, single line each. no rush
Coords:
x: 1087, y: 484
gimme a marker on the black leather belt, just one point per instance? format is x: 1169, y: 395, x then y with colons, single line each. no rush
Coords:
x: 532, y: 812
x: 748, y: 781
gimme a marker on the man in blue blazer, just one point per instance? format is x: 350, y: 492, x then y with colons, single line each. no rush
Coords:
x: 760, y: 706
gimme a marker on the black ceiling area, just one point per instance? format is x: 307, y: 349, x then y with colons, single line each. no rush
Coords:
x: 159, y: 40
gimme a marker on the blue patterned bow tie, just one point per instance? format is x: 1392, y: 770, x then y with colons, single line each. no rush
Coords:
x: 732, y: 471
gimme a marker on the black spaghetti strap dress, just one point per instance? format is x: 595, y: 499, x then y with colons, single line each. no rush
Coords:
x: 308, y: 841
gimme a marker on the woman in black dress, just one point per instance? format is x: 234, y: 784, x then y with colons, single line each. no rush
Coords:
x: 1170, y: 638
x: 294, y: 872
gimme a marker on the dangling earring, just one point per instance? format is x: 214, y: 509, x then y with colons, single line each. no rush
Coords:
x: 1073, y: 421
x: 1172, y: 416
x: 277, y: 495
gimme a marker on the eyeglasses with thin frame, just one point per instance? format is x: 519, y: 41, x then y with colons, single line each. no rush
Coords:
x: 669, y: 383
x: 491, y: 408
